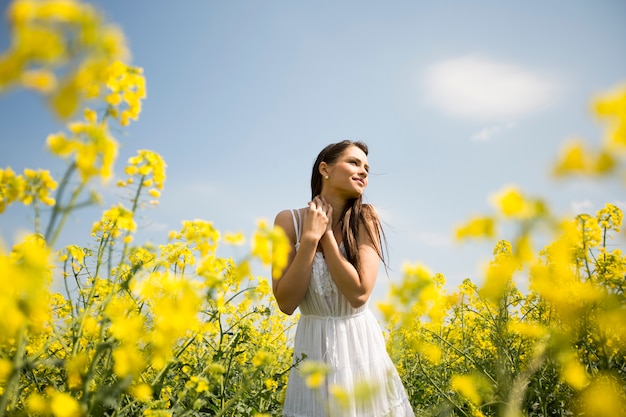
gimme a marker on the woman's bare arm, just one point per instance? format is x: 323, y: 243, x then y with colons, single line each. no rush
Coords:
x: 356, y: 286
x: 291, y: 286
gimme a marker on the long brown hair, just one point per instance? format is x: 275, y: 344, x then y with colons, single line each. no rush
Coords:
x: 355, y: 213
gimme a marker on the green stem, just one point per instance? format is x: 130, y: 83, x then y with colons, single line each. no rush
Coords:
x: 438, y: 388
x: 465, y: 355
x: 10, y: 396
x: 89, y: 301
x: 66, y: 212
x: 56, y: 209
x: 37, y: 215
x: 128, y: 232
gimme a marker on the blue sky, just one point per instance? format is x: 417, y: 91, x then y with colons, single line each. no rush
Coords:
x: 456, y: 100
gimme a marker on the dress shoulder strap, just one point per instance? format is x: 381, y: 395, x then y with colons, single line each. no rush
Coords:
x: 297, y: 223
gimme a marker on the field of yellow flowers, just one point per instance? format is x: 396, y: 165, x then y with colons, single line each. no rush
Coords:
x: 178, y: 330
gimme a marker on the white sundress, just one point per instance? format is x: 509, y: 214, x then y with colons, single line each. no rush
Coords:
x: 350, y: 343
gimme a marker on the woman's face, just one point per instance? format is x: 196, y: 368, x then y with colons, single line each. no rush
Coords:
x: 348, y: 174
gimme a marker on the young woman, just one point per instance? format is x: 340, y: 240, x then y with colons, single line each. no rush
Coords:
x: 331, y: 272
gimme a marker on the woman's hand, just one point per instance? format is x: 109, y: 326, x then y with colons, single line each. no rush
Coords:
x: 329, y: 214
x: 318, y: 218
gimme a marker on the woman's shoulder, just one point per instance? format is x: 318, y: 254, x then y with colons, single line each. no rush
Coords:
x: 289, y: 213
x: 285, y: 220
x: 287, y: 217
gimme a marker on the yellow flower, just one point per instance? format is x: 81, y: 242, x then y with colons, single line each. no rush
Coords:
x: 64, y: 405
x: 11, y: 187
x: 41, y: 80
x: 511, y: 203
x: 59, y: 145
x: 574, y: 158
x: 604, y: 163
x: 388, y: 310
x: 199, y: 384
x: 76, y: 367
x: 174, y: 303
x: 339, y: 395
x: 142, y: 392
x: 528, y: 330
x: 60, y: 10
x: 271, y: 246
x: 127, y: 86
x: 465, y: 385
x: 478, y: 227
x: 114, y: 221
x: 6, y: 367
x: 611, y: 106
x: 314, y: 373
x: 604, y: 398
x: 90, y: 116
x: 142, y: 257
x: 499, y: 273
x: 270, y: 384
x: 573, y: 372
x: 610, y: 217
x: 25, y: 276
x: 37, y: 186
x: 150, y: 166
x: 41, y: 34
x: 37, y: 404
x: 430, y: 351
x: 262, y: 358
x: 128, y: 360
x: 94, y: 149
x: 234, y: 238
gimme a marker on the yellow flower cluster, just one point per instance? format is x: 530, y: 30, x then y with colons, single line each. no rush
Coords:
x: 271, y: 247
x: 48, y: 35
x: 131, y: 320
x: 499, y: 272
x: 314, y: 373
x: 478, y: 227
x: 128, y: 328
x: 611, y: 107
x: 149, y: 167
x: 576, y: 157
x: 93, y: 148
x: 174, y: 303
x: 511, y: 205
x: 54, y: 403
x: 140, y: 332
x: 488, y: 342
x: 91, y: 144
x: 113, y: 223
x: 200, y: 235
x: 32, y: 186
x: 127, y: 88
x: 25, y: 274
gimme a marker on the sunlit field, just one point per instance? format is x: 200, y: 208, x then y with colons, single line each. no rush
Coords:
x: 177, y: 329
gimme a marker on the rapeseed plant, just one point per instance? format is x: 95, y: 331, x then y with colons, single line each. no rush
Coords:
x: 138, y: 332
x: 543, y: 351
x: 176, y: 329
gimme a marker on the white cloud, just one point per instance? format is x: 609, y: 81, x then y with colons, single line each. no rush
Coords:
x: 489, y: 132
x: 434, y: 239
x: 484, y: 89
x: 584, y: 206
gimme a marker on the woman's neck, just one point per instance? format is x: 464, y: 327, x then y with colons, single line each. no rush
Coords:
x: 338, y: 204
